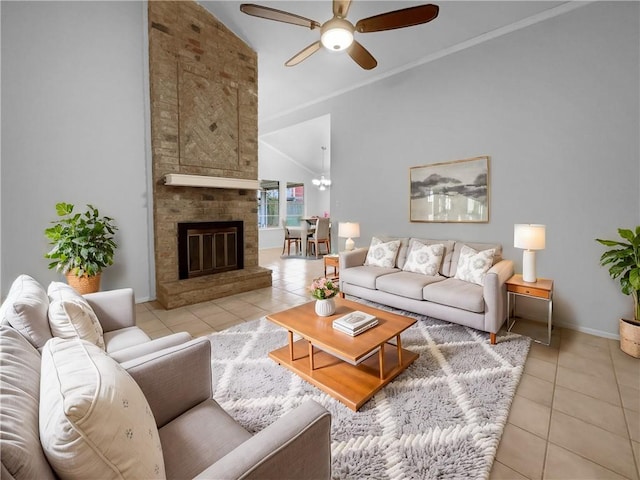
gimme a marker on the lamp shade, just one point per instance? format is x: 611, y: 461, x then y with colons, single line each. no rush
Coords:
x: 529, y: 236
x: 348, y: 230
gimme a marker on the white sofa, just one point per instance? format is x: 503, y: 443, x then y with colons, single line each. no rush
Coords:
x: 26, y: 310
x: 130, y: 407
x: 440, y: 296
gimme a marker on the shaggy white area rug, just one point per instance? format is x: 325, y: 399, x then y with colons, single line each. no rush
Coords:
x: 441, y: 418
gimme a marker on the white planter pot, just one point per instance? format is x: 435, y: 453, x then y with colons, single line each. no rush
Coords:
x: 327, y: 307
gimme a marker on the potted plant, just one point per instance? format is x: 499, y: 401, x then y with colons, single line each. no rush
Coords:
x: 323, y: 290
x: 82, y: 245
x: 623, y: 260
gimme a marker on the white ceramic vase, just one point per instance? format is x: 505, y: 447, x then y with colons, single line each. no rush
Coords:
x: 326, y: 307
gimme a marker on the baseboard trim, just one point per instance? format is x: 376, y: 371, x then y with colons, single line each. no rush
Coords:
x: 577, y: 328
x: 590, y: 331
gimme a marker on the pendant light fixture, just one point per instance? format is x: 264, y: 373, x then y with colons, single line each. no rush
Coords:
x: 322, y: 183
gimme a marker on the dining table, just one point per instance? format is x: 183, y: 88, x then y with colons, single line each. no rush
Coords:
x: 306, y: 228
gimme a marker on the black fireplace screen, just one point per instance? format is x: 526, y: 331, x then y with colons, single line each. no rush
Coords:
x: 205, y: 248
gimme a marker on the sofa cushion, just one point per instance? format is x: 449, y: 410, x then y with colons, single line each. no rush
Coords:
x: 188, y: 442
x: 94, y: 420
x: 71, y: 316
x: 25, y: 309
x: 20, y: 447
x: 456, y: 293
x: 382, y: 254
x: 424, y: 259
x: 497, y: 255
x: 473, y: 266
x: 365, y: 276
x: 406, y: 284
x: 117, y: 340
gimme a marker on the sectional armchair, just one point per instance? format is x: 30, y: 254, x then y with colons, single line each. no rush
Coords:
x: 77, y: 408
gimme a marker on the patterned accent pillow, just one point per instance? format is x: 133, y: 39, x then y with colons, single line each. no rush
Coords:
x: 473, y: 265
x: 95, y: 422
x: 71, y: 316
x: 424, y: 259
x: 382, y: 254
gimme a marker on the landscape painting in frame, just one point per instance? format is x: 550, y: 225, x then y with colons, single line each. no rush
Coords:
x: 455, y: 191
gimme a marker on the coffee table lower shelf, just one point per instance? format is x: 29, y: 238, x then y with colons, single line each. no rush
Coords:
x: 350, y: 384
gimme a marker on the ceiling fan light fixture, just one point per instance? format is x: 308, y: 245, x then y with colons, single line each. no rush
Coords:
x: 337, y: 34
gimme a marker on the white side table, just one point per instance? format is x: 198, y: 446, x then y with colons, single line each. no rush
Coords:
x: 542, y: 289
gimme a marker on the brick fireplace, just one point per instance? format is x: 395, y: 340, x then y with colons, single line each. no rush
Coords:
x: 204, y: 123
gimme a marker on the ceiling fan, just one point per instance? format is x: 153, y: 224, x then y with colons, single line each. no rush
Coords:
x: 336, y: 34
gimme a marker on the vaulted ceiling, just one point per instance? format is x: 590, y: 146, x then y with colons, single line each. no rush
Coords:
x: 460, y: 24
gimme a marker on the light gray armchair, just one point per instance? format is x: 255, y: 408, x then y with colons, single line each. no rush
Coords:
x: 200, y: 440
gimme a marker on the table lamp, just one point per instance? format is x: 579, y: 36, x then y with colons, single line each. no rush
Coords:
x: 348, y: 230
x: 531, y: 237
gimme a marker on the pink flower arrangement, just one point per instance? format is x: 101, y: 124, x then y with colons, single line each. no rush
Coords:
x: 323, y: 288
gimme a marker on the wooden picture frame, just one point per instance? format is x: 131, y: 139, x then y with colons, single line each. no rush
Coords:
x: 450, y: 192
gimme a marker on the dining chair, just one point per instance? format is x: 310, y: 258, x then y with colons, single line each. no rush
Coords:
x: 291, y: 236
x: 320, y: 236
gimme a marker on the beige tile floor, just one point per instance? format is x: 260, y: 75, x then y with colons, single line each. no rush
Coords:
x: 576, y: 412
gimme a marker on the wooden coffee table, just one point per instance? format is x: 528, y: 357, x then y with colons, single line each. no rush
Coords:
x: 350, y: 369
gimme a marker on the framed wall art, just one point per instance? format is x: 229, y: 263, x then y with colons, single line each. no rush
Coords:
x: 455, y: 191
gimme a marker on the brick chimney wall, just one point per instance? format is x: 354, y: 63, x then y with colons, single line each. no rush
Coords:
x: 204, y: 121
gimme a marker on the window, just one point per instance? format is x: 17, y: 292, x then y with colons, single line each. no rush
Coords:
x: 268, y: 203
x: 295, y: 203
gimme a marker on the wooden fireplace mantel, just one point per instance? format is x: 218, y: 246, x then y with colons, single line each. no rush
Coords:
x: 182, y: 180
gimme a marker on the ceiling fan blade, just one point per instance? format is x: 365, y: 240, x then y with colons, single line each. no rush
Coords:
x: 278, y: 15
x: 407, y: 17
x: 303, y: 54
x: 341, y: 8
x: 361, y: 56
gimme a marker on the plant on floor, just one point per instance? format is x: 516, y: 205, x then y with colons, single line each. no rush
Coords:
x: 623, y: 261
x: 323, y: 289
x: 82, y: 243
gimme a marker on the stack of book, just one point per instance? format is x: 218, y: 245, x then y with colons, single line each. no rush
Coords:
x: 355, y: 323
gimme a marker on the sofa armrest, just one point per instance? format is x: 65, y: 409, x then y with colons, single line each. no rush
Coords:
x: 297, y: 445
x: 494, y: 295
x: 353, y: 258
x: 115, y: 309
x: 146, y: 348
x: 503, y: 269
x: 175, y: 379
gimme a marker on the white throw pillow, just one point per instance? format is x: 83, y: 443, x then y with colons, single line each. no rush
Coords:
x: 382, y: 254
x: 473, y: 265
x: 71, y: 316
x: 94, y: 420
x: 25, y: 309
x: 424, y: 259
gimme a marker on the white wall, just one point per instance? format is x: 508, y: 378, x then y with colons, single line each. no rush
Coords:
x: 74, y: 129
x: 555, y: 105
x: 274, y: 165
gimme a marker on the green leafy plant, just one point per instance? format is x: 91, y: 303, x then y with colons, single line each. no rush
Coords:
x: 623, y: 261
x: 82, y: 243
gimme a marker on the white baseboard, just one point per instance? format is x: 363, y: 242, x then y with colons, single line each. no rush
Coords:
x: 577, y: 328
x: 590, y: 331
